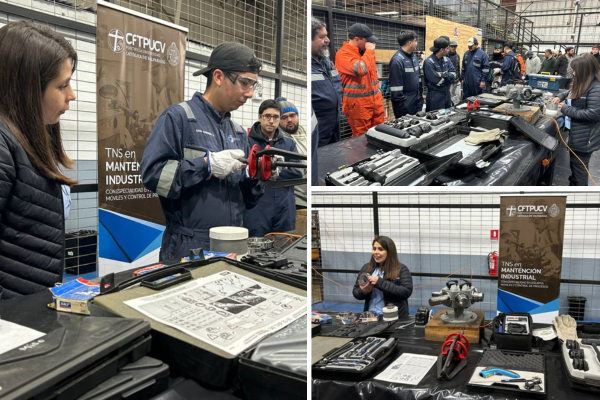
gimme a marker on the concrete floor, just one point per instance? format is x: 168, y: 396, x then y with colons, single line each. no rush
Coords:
x: 562, y: 170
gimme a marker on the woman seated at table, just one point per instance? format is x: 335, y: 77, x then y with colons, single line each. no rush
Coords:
x: 389, y: 281
x: 582, y: 115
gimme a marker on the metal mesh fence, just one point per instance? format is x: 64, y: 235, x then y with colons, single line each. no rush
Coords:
x: 211, y: 22
x: 439, y: 233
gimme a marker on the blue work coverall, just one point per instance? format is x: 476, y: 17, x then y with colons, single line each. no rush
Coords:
x: 438, y: 94
x: 508, y: 65
x: 173, y: 166
x: 276, y: 210
x: 475, y: 70
x: 405, y: 84
x: 326, y: 99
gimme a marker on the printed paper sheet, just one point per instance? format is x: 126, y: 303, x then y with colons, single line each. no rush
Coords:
x: 409, y: 369
x: 226, y: 310
x: 14, y: 335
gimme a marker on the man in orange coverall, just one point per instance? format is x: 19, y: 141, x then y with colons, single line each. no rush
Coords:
x: 362, y: 99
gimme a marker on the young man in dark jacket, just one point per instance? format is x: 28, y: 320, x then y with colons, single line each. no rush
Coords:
x: 562, y: 67
x: 596, y: 52
x: 495, y: 63
x: 276, y: 210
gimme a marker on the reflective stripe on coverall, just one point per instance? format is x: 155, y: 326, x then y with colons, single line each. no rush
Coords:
x: 405, y: 84
x: 326, y: 99
x: 438, y: 94
x: 363, y: 102
x: 173, y: 167
x: 475, y: 67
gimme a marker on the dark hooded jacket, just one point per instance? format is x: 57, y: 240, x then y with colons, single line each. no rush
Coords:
x: 276, y: 210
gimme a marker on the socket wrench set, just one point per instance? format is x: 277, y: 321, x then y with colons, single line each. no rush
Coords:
x: 581, y: 361
x: 355, y: 359
x: 359, y: 329
x: 381, y: 169
x: 406, y: 131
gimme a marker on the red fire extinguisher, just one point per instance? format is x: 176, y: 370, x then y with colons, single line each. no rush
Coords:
x: 493, y: 263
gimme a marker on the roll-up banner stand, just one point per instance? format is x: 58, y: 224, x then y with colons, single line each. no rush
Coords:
x: 530, y: 257
x: 140, y: 64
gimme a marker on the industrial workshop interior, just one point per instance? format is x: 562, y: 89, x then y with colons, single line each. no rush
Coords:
x: 456, y: 92
x: 455, y: 294
x: 153, y: 214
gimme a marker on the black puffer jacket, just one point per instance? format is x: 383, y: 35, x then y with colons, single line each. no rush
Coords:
x: 31, y: 223
x: 395, y: 291
x: 585, y: 119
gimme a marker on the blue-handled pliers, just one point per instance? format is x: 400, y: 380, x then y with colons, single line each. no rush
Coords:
x: 486, y: 373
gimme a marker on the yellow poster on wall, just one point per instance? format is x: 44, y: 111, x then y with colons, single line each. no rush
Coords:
x: 436, y: 27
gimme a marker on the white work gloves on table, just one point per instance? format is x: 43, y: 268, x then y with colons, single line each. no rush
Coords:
x: 566, y: 327
x: 223, y: 163
x: 477, y: 137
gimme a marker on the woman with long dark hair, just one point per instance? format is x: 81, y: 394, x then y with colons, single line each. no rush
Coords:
x: 582, y: 115
x: 36, y: 65
x: 389, y: 281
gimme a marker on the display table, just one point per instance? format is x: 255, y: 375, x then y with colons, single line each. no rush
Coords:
x: 412, y: 340
x: 518, y: 163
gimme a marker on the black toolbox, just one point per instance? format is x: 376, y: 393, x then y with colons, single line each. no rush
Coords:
x: 75, y: 354
x: 435, y: 148
x: 183, y: 353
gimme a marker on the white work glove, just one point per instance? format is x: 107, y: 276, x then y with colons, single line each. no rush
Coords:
x: 566, y: 327
x: 275, y: 173
x: 497, y: 71
x: 223, y: 163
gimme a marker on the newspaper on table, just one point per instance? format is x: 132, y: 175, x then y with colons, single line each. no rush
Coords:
x: 409, y: 369
x: 14, y: 335
x: 226, y: 310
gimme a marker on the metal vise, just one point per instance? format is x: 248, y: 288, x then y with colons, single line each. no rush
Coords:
x: 459, y: 297
x: 518, y: 93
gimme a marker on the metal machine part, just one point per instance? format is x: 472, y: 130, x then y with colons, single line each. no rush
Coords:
x: 259, y: 244
x: 518, y: 93
x: 363, y: 278
x: 459, y: 297
x: 455, y: 348
x: 422, y: 316
x: 390, y: 313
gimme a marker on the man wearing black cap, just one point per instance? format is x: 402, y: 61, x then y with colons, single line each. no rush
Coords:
x: 362, y: 99
x: 193, y: 158
x: 476, y: 68
x: 439, y: 76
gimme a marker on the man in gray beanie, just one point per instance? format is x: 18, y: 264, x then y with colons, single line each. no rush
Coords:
x: 289, y: 124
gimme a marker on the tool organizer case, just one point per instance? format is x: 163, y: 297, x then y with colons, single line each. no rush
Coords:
x: 353, y: 375
x: 424, y: 174
x: 184, y: 354
x: 518, y: 361
x: 276, y: 367
x: 583, y: 380
x: 336, y: 178
x: 296, y: 254
x: 359, y: 329
x: 436, y: 147
x: 76, y: 353
x: 140, y: 380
